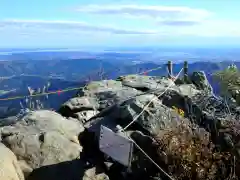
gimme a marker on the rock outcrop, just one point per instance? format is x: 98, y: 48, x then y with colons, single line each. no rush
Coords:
x: 184, y: 123
x: 201, y: 82
x: 9, y: 167
x: 42, y: 138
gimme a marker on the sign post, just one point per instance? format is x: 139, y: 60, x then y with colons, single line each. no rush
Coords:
x: 116, y: 145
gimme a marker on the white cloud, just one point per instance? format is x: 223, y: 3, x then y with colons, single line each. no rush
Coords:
x: 216, y: 28
x: 170, y: 20
x: 213, y: 28
x: 168, y: 15
x: 19, y: 32
x: 173, y: 25
x: 65, y: 26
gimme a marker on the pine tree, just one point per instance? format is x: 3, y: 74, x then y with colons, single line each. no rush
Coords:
x: 229, y: 80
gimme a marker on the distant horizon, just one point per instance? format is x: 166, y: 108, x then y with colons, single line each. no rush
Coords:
x: 99, y: 48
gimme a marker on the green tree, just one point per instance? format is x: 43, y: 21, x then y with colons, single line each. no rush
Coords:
x: 229, y: 80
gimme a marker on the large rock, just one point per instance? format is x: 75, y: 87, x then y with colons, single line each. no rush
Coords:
x: 81, y: 108
x: 109, y: 92
x: 9, y: 167
x: 159, y: 115
x: 145, y: 82
x: 200, y: 107
x: 102, y: 86
x: 155, y: 118
x: 95, y: 97
x: 40, y: 139
x: 201, y: 81
x: 188, y: 90
x: 81, y: 103
x: 84, y: 116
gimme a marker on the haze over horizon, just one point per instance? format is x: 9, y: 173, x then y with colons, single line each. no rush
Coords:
x: 81, y: 24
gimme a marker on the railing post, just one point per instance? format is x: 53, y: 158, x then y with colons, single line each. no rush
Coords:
x: 169, y: 66
x: 185, y: 70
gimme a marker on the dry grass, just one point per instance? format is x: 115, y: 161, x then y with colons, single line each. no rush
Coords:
x: 35, y: 103
x: 190, y: 154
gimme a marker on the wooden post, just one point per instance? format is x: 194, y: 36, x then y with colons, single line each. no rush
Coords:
x: 101, y: 71
x: 185, y: 70
x: 169, y: 66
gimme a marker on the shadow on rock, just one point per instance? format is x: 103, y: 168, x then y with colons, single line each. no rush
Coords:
x: 69, y: 170
x: 91, y: 153
x: 76, y: 169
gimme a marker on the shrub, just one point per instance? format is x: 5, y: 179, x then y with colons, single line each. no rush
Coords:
x: 191, y: 154
x: 229, y: 80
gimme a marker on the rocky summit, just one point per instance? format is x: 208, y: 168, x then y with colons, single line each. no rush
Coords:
x: 187, y: 131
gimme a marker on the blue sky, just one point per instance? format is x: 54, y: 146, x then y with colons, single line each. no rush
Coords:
x: 108, y: 23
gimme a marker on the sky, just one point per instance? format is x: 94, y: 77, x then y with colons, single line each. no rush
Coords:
x: 122, y: 23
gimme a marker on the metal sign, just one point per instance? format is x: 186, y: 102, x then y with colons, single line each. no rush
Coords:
x: 115, y: 145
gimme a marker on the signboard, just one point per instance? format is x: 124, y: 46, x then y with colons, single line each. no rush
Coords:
x: 115, y: 145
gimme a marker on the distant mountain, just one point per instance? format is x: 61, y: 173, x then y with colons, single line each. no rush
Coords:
x: 36, y: 55
x: 69, y: 69
x: 18, y: 86
x: 35, y: 70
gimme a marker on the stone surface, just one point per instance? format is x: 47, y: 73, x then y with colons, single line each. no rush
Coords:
x: 91, y: 174
x: 200, y: 80
x: 41, y: 138
x: 9, y: 167
x: 145, y: 82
